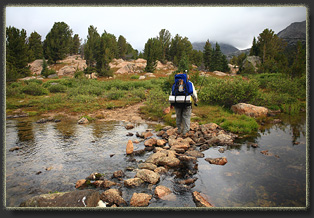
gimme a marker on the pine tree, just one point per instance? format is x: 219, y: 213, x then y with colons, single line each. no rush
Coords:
x: 178, y: 46
x: 184, y: 63
x: 270, y: 48
x: 58, y: 41
x: 207, y: 55
x: 91, y: 46
x: 164, y: 38
x: 152, y: 51
x: 16, y: 54
x: 75, y: 44
x: 254, y: 51
x: 122, y: 45
x: 298, y: 67
x: 35, y: 46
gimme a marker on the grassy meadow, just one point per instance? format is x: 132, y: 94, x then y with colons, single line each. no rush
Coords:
x: 84, y: 96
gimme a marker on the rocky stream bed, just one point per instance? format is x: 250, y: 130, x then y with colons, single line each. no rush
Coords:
x: 171, y: 154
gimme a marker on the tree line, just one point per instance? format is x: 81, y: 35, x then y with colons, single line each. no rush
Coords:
x: 60, y: 42
x: 180, y: 52
x: 99, y: 50
x: 276, y: 56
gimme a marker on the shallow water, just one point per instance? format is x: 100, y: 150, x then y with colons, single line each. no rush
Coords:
x: 65, y: 152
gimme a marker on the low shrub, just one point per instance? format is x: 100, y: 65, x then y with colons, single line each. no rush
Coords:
x: 228, y: 92
x: 135, y: 77
x: 34, y: 89
x: 115, y: 94
x: 57, y: 88
x: 157, y: 101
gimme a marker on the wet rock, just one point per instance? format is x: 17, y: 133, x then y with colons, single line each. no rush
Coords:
x: 161, y: 142
x: 80, y: 183
x: 147, y: 134
x: 160, y: 133
x: 113, y: 196
x: 160, y: 170
x: 208, y: 128
x: 77, y: 198
x: 164, y: 158
x: 224, y: 139
x: 251, y: 144
x: 161, y: 191
x: 39, y: 172
x: 129, y: 126
x: 129, y: 134
x: 148, y: 176
x: 148, y: 148
x: 140, y: 200
x: 194, y: 153
x: 98, y: 183
x: 185, y: 158
x: 194, y: 126
x: 150, y: 142
x: 118, y: 174
x: 249, y: 110
x: 171, y: 131
x: 199, y: 200
x: 129, y: 147
x: 172, y: 162
x: 188, y: 181
x: 107, y: 184
x: 217, y: 161
x: 93, y: 176
x: 148, y: 166
x: 133, y: 182
x: 221, y: 150
x: 83, y: 120
x: 14, y: 148
x: 139, y: 152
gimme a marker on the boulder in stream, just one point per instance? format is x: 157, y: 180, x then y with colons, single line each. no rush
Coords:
x: 140, y: 200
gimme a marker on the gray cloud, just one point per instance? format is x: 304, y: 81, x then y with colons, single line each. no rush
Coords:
x: 234, y: 25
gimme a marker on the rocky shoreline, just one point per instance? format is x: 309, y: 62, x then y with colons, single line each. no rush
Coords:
x: 170, y: 154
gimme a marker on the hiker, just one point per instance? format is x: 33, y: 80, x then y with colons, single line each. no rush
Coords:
x: 180, y: 99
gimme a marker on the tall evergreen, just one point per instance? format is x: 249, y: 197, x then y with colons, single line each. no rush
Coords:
x: 152, y: 51
x: 75, y: 44
x: 16, y: 54
x: 207, y: 55
x: 122, y: 46
x: 298, y: 67
x: 91, y: 46
x: 254, y: 51
x: 177, y: 47
x: 164, y: 37
x: 58, y: 41
x: 35, y: 46
x: 270, y: 48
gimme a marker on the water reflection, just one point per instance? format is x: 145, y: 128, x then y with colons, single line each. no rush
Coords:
x: 25, y: 130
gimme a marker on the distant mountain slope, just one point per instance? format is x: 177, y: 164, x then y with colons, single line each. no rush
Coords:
x: 294, y: 32
x: 225, y: 48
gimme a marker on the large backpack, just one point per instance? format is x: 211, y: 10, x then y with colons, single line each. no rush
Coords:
x: 181, y: 87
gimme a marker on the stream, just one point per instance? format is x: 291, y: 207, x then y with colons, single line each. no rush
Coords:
x: 53, y: 156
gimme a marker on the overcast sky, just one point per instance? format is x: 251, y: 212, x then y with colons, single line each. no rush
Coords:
x: 233, y: 25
